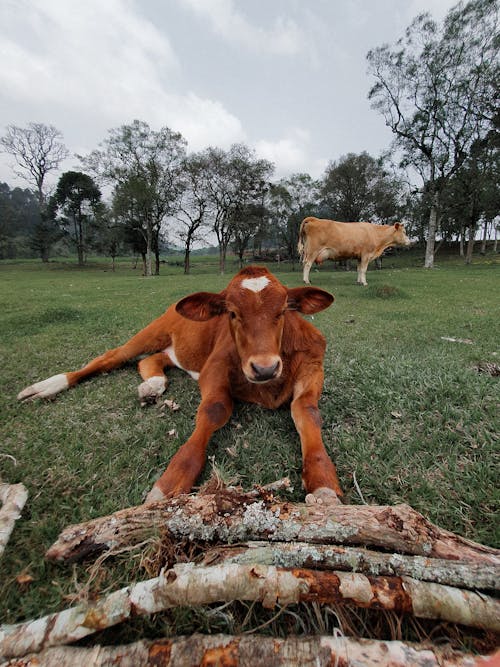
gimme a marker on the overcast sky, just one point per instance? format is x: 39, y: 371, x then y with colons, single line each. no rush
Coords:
x: 286, y: 77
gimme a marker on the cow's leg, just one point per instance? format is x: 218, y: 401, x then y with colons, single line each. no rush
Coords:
x: 319, y: 474
x: 307, y: 268
x: 185, y: 466
x: 152, y: 338
x: 362, y: 267
x: 155, y: 380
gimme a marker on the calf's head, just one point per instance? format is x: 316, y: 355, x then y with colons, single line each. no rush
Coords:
x: 255, y: 303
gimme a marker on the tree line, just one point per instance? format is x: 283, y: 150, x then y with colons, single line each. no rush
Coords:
x: 435, y: 88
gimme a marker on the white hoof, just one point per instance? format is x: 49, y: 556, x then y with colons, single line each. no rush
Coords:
x: 151, y: 389
x: 154, y: 496
x: 323, y: 496
x: 44, y: 389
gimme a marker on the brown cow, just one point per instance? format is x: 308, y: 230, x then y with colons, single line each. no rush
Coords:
x: 327, y: 239
x: 246, y: 343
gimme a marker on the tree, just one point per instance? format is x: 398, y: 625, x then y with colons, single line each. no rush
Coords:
x: 19, y: 216
x: 472, y: 195
x: 290, y: 201
x: 235, y: 181
x: 145, y: 166
x: 433, y: 89
x: 111, y: 238
x: 357, y: 187
x: 37, y: 149
x: 76, y: 199
x: 193, y: 204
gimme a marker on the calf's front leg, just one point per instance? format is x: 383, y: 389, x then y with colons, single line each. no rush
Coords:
x: 185, y: 466
x: 319, y: 474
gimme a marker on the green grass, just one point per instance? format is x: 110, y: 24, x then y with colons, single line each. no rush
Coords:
x: 404, y: 411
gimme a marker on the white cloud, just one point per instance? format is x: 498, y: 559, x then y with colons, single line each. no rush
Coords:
x: 291, y: 154
x: 101, y: 64
x: 284, y: 38
x: 71, y: 48
x: 204, y: 122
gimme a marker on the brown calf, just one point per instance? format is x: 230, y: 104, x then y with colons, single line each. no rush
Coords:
x: 246, y: 343
x: 327, y: 239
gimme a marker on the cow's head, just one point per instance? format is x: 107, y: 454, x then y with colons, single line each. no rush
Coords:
x: 255, y: 303
x: 400, y: 237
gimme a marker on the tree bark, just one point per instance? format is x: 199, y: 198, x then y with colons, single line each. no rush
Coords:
x: 190, y: 585
x: 363, y: 561
x: 232, y: 516
x: 13, y: 498
x: 470, y: 244
x: 431, y: 235
x: 234, y: 651
x: 485, y: 237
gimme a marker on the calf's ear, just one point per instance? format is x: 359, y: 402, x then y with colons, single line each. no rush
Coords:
x: 397, y: 225
x: 308, y: 300
x: 201, y: 306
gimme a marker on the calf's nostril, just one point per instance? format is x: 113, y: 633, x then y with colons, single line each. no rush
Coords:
x: 264, y: 372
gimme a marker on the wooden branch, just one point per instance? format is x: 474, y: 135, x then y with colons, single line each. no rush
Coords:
x: 13, y: 498
x: 189, y: 585
x: 321, y: 651
x: 364, y: 561
x: 231, y: 516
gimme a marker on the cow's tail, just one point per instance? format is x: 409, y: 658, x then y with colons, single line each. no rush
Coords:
x: 301, y: 245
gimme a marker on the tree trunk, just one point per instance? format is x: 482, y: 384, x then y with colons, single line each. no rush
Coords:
x: 364, y: 561
x: 148, y: 267
x: 187, y: 254
x: 470, y: 244
x: 431, y: 235
x: 257, y: 650
x: 157, y: 261
x: 485, y: 238
x: 13, y: 498
x: 232, y: 516
x: 222, y: 259
x: 191, y: 586
x: 462, y: 241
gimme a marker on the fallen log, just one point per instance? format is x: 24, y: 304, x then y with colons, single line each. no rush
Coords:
x: 190, y: 585
x: 476, y: 576
x: 233, y: 651
x: 12, y: 498
x: 232, y: 516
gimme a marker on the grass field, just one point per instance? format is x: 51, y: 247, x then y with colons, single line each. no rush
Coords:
x: 406, y: 413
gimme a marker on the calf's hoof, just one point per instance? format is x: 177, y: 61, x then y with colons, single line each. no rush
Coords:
x: 154, y: 496
x: 44, y: 389
x: 323, y: 496
x: 151, y: 389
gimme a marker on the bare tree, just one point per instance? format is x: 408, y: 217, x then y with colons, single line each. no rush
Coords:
x: 36, y: 149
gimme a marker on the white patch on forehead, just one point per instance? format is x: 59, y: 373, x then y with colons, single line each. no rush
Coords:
x: 255, y: 284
